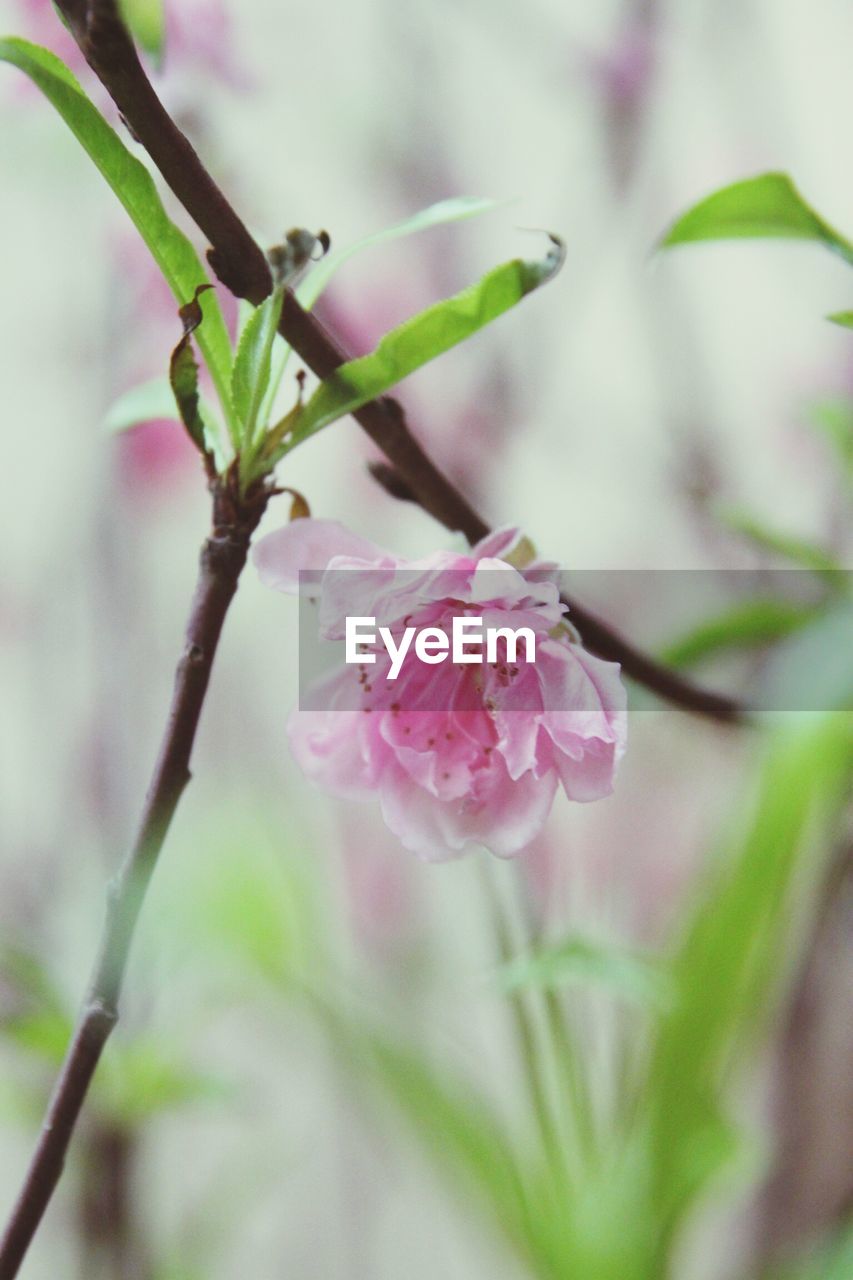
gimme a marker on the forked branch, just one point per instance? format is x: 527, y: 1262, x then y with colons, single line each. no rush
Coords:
x: 240, y: 264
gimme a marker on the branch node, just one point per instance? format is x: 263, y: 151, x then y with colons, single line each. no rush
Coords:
x: 100, y: 1016
x: 391, y: 481
x: 194, y: 655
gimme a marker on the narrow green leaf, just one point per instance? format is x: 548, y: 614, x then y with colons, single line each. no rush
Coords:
x: 27, y: 985
x: 763, y: 207
x: 180, y: 1268
x: 835, y: 419
x: 134, y: 186
x: 44, y: 1034
x: 143, y: 1078
x: 453, y: 210
x: 183, y: 373
x: 797, y: 550
x: 143, y: 403
x: 727, y: 966
x: 155, y: 400
x: 844, y: 319
x: 420, y: 339
x: 146, y: 20
x: 311, y: 287
x: 747, y: 625
x: 580, y: 960
x: 252, y: 365
x: 252, y: 901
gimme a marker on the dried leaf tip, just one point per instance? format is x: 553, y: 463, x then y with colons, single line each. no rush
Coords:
x: 295, y: 252
x: 190, y: 313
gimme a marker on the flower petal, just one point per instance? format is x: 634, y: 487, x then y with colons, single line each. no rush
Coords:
x: 307, y: 544
x: 585, y: 717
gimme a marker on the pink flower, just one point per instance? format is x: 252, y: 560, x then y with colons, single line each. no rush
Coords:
x: 458, y: 754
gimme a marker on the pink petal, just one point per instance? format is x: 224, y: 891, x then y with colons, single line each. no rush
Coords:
x: 585, y: 717
x: 592, y: 776
x: 498, y: 544
x: 307, y: 544
x: 504, y: 817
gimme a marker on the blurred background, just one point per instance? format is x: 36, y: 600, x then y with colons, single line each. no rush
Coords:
x: 311, y: 1014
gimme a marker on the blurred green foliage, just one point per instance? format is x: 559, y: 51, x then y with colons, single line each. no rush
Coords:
x: 617, y: 1206
x: 765, y: 207
x: 618, y: 1214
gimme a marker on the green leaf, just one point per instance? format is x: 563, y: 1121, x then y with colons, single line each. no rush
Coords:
x: 746, y: 625
x: 183, y: 374
x: 134, y: 186
x: 146, y: 402
x: 146, y: 20
x: 144, y: 1078
x: 179, y: 1268
x: 455, y: 1124
x: 310, y: 288
x: 727, y: 966
x: 797, y: 550
x: 420, y: 339
x: 252, y: 365
x: 835, y: 419
x: 245, y: 898
x: 44, y: 1034
x: 763, y: 207
x: 26, y: 985
x: 842, y: 318
x: 154, y: 401
x: 580, y: 960
x: 453, y: 210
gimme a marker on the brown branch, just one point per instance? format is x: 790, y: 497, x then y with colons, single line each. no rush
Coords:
x: 391, y: 481
x: 107, y: 47
x: 222, y: 559
x: 600, y: 637
x: 240, y: 264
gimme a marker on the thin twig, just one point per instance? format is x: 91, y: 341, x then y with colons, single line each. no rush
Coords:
x: 222, y: 559
x: 240, y: 264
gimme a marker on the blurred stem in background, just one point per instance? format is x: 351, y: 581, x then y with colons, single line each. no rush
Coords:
x: 113, y: 1247
x: 669, y: 1140
x: 551, y: 1060
x: 809, y: 1191
x: 531, y: 1051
